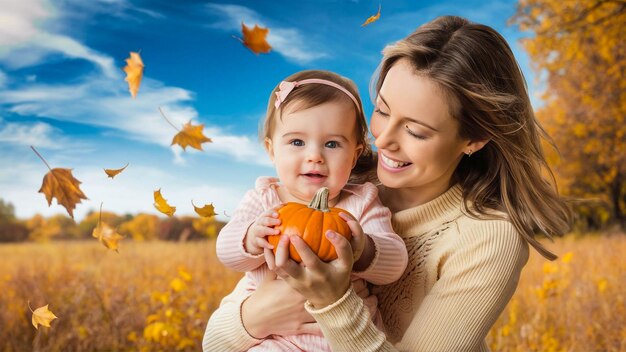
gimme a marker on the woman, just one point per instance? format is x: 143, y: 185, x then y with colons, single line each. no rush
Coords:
x: 460, y: 162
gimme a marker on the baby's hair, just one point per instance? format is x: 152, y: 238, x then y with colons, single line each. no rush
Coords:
x: 310, y: 95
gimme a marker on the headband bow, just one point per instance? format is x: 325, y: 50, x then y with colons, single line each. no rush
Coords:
x: 285, y: 87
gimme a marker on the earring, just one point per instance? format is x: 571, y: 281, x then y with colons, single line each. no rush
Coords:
x: 469, y: 153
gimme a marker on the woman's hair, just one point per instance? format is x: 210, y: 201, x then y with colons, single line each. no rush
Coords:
x: 310, y: 95
x: 476, y: 70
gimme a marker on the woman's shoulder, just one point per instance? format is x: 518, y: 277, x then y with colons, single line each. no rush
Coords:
x: 494, y: 231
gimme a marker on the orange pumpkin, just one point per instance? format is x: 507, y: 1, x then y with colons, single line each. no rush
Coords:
x: 311, y: 223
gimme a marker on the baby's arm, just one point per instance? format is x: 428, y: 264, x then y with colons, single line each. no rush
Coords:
x: 231, y: 246
x: 390, y: 258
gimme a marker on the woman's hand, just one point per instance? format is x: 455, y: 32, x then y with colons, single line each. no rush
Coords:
x: 276, y: 309
x: 320, y: 283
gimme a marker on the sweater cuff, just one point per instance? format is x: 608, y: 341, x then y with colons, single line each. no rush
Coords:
x: 347, y: 325
x: 228, y: 331
x: 242, y: 246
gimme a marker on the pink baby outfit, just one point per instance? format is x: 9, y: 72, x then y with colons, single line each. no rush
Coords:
x: 362, y: 202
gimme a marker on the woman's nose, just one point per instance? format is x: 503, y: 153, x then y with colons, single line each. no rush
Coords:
x: 386, y: 138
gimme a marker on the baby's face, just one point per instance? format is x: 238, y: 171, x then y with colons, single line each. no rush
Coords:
x: 314, y: 148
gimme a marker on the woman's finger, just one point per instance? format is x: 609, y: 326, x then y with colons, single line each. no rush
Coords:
x: 343, y: 249
x: 284, y: 265
x: 310, y: 259
x: 269, y: 258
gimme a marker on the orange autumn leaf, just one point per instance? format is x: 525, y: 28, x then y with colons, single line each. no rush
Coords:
x: 59, y: 183
x: 255, y: 39
x: 372, y: 19
x: 206, y: 211
x: 114, y: 172
x: 107, y: 236
x: 161, y: 204
x: 191, y: 136
x: 42, y: 316
x: 134, y: 73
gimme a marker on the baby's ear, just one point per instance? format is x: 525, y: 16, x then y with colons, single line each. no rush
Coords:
x: 357, y: 153
x: 269, y: 148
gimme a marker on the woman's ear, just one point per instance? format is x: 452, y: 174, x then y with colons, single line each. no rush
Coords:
x: 474, y: 146
x: 357, y: 153
x: 269, y: 148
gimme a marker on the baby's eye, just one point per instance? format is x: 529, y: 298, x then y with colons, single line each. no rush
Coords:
x: 297, y: 142
x: 332, y: 144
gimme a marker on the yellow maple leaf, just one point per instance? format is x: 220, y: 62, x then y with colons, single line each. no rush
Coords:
x: 207, y: 211
x: 372, y: 19
x: 191, y: 136
x: 114, y: 172
x: 59, y: 183
x: 42, y: 316
x: 255, y: 39
x: 134, y: 73
x: 161, y: 204
x: 106, y: 234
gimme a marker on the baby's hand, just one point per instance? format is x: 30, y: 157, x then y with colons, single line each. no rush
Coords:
x: 255, y: 240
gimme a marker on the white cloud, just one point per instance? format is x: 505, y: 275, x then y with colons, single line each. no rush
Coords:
x: 127, y: 193
x: 21, y: 33
x: 38, y: 134
x: 288, y: 42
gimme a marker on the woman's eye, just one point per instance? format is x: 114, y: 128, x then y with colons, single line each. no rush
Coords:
x: 332, y: 144
x: 418, y: 136
x: 378, y: 111
x: 297, y: 142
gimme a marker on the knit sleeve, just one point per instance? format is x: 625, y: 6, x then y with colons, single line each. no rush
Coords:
x: 476, y: 282
x: 391, y: 257
x: 230, y: 241
x: 225, y: 330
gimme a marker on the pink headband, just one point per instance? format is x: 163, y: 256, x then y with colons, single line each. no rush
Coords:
x: 284, y: 88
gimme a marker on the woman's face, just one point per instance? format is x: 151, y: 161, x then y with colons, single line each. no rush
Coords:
x: 417, y: 138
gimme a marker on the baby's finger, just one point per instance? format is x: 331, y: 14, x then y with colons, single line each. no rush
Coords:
x: 262, y: 242
x: 268, y: 221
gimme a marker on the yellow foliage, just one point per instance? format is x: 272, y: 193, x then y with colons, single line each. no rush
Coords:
x: 141, y: 227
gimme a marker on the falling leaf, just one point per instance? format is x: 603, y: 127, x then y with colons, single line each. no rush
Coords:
x: 60, y: 184
x: 206, y: 211
x: 191, y: 136
x: 114, y: 172
x: 255, y: 39
x: 106, y: 234
x: 134, y: 73
x: 372, y: 19
x: 161, y: 204
x: 42, y: 316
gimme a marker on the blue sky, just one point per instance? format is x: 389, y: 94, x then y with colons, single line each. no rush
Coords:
x: 62, y: 88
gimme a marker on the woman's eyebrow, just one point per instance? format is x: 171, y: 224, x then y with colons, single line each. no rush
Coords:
x: 409, y: 118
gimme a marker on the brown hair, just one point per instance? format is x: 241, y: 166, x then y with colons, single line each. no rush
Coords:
x: 310, y: 95
x: 476, y: 69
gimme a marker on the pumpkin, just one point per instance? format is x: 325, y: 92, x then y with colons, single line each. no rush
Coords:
x: 311, y: 223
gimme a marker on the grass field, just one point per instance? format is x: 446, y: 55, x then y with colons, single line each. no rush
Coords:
x: 157, y: 296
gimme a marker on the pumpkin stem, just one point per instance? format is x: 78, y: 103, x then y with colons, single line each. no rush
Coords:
x: 320, y: 200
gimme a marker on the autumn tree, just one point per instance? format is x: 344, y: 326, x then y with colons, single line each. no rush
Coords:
x: 11, y: 230
x: 579, y: 47
x: 141, y: 227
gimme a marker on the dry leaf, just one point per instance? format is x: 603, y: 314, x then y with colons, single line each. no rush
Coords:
x: 161, y: 204
x: 255, y: 39
x: 372, y: 18
x: 107, y: 236
x: 206, y: 211
x: 191, y: 136
x: 114, y: 172
x: 134, y: 73
x: 60, y: 184
x: 42, y: 316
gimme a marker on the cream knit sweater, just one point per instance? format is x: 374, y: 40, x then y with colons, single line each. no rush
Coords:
x: 461, y: 274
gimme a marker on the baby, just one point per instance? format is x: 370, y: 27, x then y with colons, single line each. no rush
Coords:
x: 315, y: 133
